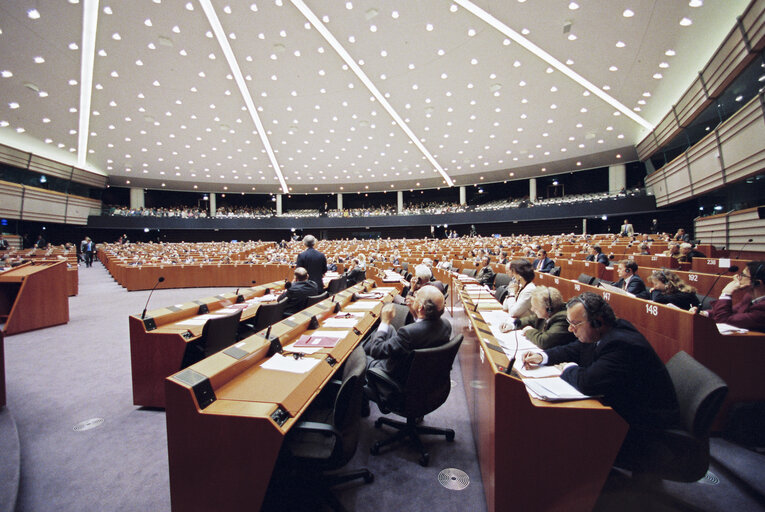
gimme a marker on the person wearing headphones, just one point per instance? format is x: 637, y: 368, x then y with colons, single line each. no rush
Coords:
x: 611, y: 358
x: 546, y: 327
x: 596, y: 254
x: 629, y: 281
x: 668, y: 288
x: 749, y: 311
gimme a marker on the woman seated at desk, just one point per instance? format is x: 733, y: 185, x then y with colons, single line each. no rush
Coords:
x: 546, y: 327
x: 518, y: 301
x: 668, y: 288
x: 749, y: 311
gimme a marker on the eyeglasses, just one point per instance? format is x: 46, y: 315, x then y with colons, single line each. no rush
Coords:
x: 575, y: 324
x: 744, y: 275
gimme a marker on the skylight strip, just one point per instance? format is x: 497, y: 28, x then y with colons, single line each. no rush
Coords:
x: 552, y: 61
x: 89, y: 26
x: 220, y: 35
x: 340, y: 50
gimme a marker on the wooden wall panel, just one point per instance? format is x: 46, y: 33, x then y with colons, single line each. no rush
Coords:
x: 10, y: 200
x: 742, y: 139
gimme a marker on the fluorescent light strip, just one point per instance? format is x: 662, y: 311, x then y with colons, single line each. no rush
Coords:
x: 552, y: 61
x: 89, y: 26
x: 327, y: 35
x: 220, y: 35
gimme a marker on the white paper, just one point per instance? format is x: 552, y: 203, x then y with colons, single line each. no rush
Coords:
x: 303, y: 350
x: 535, y: 372
x: 361, y: 306
x: 290, y: 364
x: 330, y: 334
x: 553, y: 389
x: 730, y: 329
x: 192, y: 321
x: 723, y: 262
x: 341, y: 322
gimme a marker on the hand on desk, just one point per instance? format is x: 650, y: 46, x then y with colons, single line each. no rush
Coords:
x: 532, y: 359
x: 508, y: 325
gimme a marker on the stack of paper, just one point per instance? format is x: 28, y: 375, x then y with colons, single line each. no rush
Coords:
x: 553, y: 389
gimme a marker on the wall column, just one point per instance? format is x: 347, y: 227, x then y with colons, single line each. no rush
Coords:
x: 400, y: 201
x: 136, y: 198
x: 339, y: 201
x: 463, y: 196
x: 278, y: 204
x: 584, y: 226
x: 533, y: 190
x: 617, y: 177
x: 213, y: 205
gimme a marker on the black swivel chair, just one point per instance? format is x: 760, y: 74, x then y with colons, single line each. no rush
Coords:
x: 326, y: 439
x: 470, y: 272
x: 427, y: 386
x: 336, y: 285
x: 218, y: 333
x: 501, y: 279
x: 313, y: 299
x: 683, y: 454
x: 555, y: 271
x: 268, y: 314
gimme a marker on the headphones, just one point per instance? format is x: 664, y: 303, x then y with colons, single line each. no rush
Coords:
x: 663, y: 276
x: 595, y: 323
x: 755, y: 280
x: 549, y: 307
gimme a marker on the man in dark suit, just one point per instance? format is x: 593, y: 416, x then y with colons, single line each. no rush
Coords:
x: 614, y: 360
x: 355, y: 274
x: 313, y: 261
x: 485, y: 275
x: 596, y: 254
x: 543, y: 263
x: 3, y: 244
x: 629, y: 281
x: 297, y: 292
x: 388, y: 349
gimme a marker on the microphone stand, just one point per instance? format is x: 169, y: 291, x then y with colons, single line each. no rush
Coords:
x: 734, y: 268
x: 738, y: 256
x: 160, y: 280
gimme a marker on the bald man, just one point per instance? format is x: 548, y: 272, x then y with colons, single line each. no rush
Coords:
x: 388, y: 349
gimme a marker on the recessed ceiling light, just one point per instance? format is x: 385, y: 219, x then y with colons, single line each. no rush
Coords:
x: 572, y: 37
x: 670, y: 53
x: 620, y: 44
x: 573, y: 6
x: 6, y: 74
x: 39, y: 60
x: 663, y: 65
x: 33, y: 14
x: 695, y: 3
x: 658, y: 76
x: 628, y: 13
x: 685, y: 22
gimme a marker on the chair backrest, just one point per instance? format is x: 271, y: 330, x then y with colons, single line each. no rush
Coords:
x: 501, y: 279
x: 356, y: 276
x: 219, y: 332
x: 428, y: 382
x: 335, y: 285
x: 585, y: 278
x: 268, y: 314
x: 707, y: 304
x: 500, y: 293
x: 555, y: 271
x: 470, y: 272
x: 347, y: 411
x: 313, y: 299
x: 700, y: 393
x: 399, y: 318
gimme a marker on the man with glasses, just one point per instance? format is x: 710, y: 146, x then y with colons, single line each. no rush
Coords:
x: 749, y: 310
x: 612, y: 359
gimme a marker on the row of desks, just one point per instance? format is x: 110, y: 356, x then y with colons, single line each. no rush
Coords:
x: 33, y: 295
x: 228, y: 415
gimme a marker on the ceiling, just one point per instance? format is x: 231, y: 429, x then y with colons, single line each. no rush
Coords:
x: 345, y: 96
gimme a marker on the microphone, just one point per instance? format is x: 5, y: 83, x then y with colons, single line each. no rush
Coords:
x: 738, y: 256
x: 160, y: 280
x: 515, y: 352
x: 477, y: 299
x: 734, y: 268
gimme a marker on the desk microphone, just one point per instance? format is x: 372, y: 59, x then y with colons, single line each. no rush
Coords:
x: 511, y: 364
x: 160, y: 280
x: 734, y: 268
x: 738, y: 256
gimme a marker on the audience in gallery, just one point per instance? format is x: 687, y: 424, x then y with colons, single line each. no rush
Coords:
x: 546, y: 326
x: 668, y: 288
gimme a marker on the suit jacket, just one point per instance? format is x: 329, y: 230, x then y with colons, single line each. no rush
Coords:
x: 627, y: 230
x: 743, y: 314
x: 297, y: 296
x: 3, y: 244
x: 636, y: 287
x: 683, y: 300
x: 356, y: 275
x: 548, y: 333
x: 623, y: 368
x: 547, y: 264
x: 601, y: 258
x: 485, y: 276
x: 390, y: 350
x: 315, y: 263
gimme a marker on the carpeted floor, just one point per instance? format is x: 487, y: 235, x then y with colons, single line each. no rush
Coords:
x: 61, y: 376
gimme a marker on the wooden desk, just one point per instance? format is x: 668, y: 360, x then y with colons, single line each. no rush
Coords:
x: 656, y: 261
x: 158, y: 342
x: 227, y: 416
x: 712, y: 265
x: 737, y: 358
x: 2, y: 371
x: 533, y: 455
x: 571, y: 269
x: 33, y: 296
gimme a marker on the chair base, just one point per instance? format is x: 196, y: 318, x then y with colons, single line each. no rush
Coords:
x: 303, y: 491
x: 410, y: 430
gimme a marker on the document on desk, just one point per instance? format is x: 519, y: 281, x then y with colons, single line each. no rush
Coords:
x: 507, y: 340
x: 290, y: 364
x: 731, y: 329
x: 553, y: 389
x: 361, y: 306
x: 198, y: 320
x: 343, y: 320
x: 535, y: 372
x: 264, y: 298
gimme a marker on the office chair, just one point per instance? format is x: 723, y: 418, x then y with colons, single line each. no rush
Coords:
x: 501, y: 279
x: 335, y: 285
x: 588, y: 279
x: 682, y: 454
x: 470, y: 272
x: 326, y: 439
x: 501, y: 293
x: 268, y: 314
x: 313, y: 299
x: 555, y: 271
x: 427, y: 386
x: 218, y: 333
x: 355, y: 276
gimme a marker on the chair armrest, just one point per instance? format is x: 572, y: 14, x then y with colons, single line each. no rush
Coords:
x: 379, y: 377
x: 315, y: 426
x: 382, y: 389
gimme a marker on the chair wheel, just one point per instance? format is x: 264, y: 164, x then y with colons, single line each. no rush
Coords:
x: 375, y: 449
x: 369, y: 478
x: 378, y: 422
x: 450, y: 436
x: 425, y: 459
